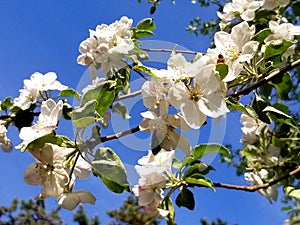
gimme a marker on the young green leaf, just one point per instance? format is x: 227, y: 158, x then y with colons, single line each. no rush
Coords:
x: 185, y: 199
x: 70, y: 93
x: 108, y: 166
x: 121, y: 109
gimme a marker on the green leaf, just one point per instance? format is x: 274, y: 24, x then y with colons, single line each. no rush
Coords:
x: 292, y: 191
x: 113, y: 186
x: 70, y: 93
x: 185, y: 199
x: 262, y: 35
x: 62, y: 141
x: 296, y: 9
x: 202, y: 150
x: 275, y: 111
x: 84, y: 116
x: 266, y: 90
x: 144, y: 69
x: 7, y: 103
x: 108, y: 166
x: 276, y: 49
x: 210, y: 148
x: 200, y: 180
x: 146, y: 24
x: 222, y: 69
x: 121, y: 109
x: 283, y: 85
x: 142, y: 33
x: 104, y: 94
x: 198, y: 168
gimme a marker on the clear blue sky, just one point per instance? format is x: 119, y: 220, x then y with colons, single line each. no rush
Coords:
x: 44, y: 36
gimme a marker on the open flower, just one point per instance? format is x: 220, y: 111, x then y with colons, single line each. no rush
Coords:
x: 251, y: 128
x: 206, y: 98
x: 244, y: 8
x: 257, y: 178
x: 107, y: 45
x: 163, y: 126
x: 47, y: 122
x: 5, y: 142
x: 48, y: 171
x: 272, y: 4
x: 33, y: 87
x: 149, y: 190
x: 236, y: 48
x: 71, y: 200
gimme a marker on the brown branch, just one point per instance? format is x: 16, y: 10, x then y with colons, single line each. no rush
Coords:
x: 266, y: 79
x: 257, y: 187
x: 120, y: 134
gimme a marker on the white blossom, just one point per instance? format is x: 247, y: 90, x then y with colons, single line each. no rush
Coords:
x: 163, y: 126
x: 32, y: 88
x: 206, y: 98
x: 5, y: 142
x: 251, y: 128
x: 257, y: 178
x: 48, y: 171
x: 244, y: 8
x: 107, y: 45
x: 236, y: 48
x: 71, y: 200
x: 46, y: 123
x: 272, y: 4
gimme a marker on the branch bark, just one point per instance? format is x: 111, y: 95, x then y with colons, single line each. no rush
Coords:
x: 257, y: 187
x: 266, y: 79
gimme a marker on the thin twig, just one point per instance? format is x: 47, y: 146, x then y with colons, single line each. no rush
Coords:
x: 120, y: 134
x: 257, y: 187
x: 170, y: 50
x: 130, y: 95
x: 266, y: 79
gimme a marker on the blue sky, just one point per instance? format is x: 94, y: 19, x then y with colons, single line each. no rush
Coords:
x: 44, y: 36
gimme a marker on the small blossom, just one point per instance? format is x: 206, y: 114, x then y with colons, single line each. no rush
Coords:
x: 32, y: 88
x: 251, y: 128
x: 163, y: 127
x: 272, y: 4
x: 244, y: 8
x: 5, y: 142
x: 71, y: 200
x: 256, y: 178
x: 107, y: 45
x: 47, y: 121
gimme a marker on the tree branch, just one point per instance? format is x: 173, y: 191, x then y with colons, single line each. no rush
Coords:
x: 266, y: 79
x: 169, y: 50
x: 257, y: 187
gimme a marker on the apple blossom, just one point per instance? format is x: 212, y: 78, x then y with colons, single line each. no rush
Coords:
x: 251, y: 128
x: 48, y: 171
x: 236, y: 48
x: 33, y: 88
x: 257, y: 178
x: 206, y: 98
x: 107, y: 45
x: 163, y: 126
x: 272, y: 4
x: 245, y: 9
x: 71, y: 200
x: 46, y: 123
x: 5, y: 143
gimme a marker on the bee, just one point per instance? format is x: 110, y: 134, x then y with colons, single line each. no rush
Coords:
x: 220, y: 59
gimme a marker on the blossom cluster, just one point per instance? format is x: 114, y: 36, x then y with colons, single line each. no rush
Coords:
x: 154, y: 171
x: 35, y: 87
x: 107, y: 45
